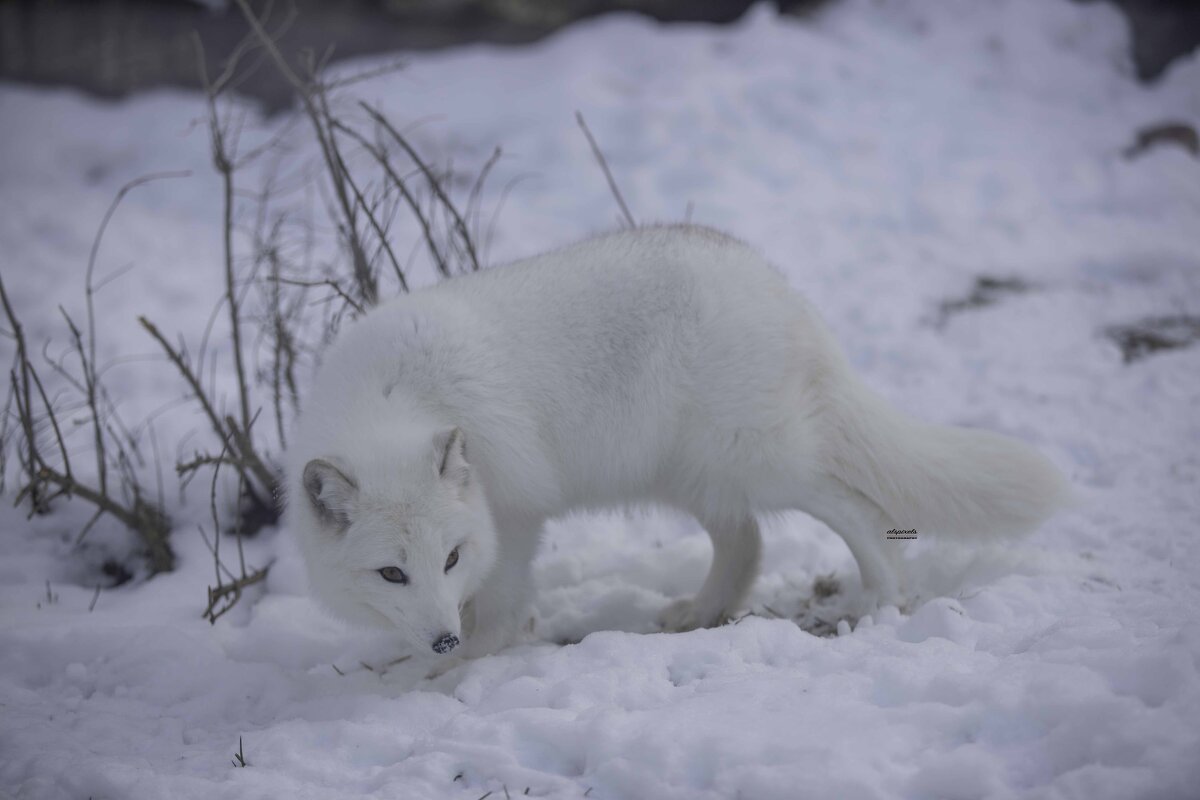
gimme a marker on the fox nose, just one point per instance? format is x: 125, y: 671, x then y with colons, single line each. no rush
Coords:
x: 445, y: 644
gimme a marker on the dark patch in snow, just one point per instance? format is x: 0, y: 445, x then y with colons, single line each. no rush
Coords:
x: 1164, y: 133
x: 117, y: 572
x: 1146, y: 337
x: 817, y: 614
x: 1161, y: 31
x: 987, y: 291
x: 254, y: 514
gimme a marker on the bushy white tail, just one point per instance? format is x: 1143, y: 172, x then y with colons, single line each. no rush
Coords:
x: 954, y: 482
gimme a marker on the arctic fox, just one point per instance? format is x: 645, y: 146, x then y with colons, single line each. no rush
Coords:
x: 666, y: 365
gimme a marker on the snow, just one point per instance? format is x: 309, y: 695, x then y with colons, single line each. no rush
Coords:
x: 884, y: 158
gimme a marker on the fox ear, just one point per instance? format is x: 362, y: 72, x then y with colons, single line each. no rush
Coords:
x: 450, y: 457
x: 332, y: 494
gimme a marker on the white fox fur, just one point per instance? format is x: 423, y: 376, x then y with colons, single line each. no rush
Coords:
x: 670, y: 365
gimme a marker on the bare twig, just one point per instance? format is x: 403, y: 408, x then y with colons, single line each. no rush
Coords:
x: 193, y: 382
x: 223, y: 157
x: 245, y: 450
x: 22, y: 393
x: 45, y: 481
x: 62, y: 445
x: 612, y: 184
x: 243, y: 456
x: 283, y: 343
x: 473, y: 199
x: 141, y: 516
x: 459, y: 224
x: 239, y: 756
x: 216, y: 519
x: 204, y: 460
x: 309, y: 92
x: 87, y: 528
x: 89, y: 358
x: 332, y: 284
x: 5, y: 433
x: 380, y: 156
x: 362, y: 203
x: 491, y: 228
x: 223, y: 598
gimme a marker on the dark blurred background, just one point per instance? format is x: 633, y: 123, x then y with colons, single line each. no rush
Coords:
x: 114, y: 47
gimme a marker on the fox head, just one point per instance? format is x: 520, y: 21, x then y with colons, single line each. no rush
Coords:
x: 403, y: 541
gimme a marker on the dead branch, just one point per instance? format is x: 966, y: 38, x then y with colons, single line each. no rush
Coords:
x: 22, y: 394
x: 176, y: 357
x: 223, y: 157
x: 362, y: 203
x: 58, y: 437
x: 224, y: 597
x: 46, y: 482
x: 244, y: 457
x: 612, y: 183
x: 473, y: 199
x: 203, y: 460
x: 309, y: 92
x: 88, y: 359
x: 331, y: 283
x: 5, y: 434
x: 459, y: 224
x: 380, y: 156
x: 278, y: 328
x: 245, y: 450
x: 491, y: 228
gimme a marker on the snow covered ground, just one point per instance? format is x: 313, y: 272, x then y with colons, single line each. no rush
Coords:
x: 885, y: 157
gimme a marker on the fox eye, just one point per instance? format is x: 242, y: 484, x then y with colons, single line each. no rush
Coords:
x: 451, y: 559
x: 393, y: 575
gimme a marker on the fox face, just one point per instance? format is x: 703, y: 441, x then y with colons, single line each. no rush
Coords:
x: 404, y: 543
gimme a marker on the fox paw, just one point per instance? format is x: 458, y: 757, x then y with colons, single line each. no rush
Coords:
x: 680, y: 616
x: 442, y: 666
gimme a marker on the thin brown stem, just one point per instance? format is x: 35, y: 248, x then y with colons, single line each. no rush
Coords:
x: 434, y: 184
x: 330, y: 282
x: 224, y: 597
x: 612, y: 183
x: 88, y: 357
x: 371, y: 219
x: 22, y: 393
x: 309, y: 92
x: 381, y: 158
x: 193, y: 382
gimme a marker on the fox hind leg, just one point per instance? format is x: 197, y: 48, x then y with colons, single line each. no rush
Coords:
x: 863, y: 525
x: 737, y: 549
